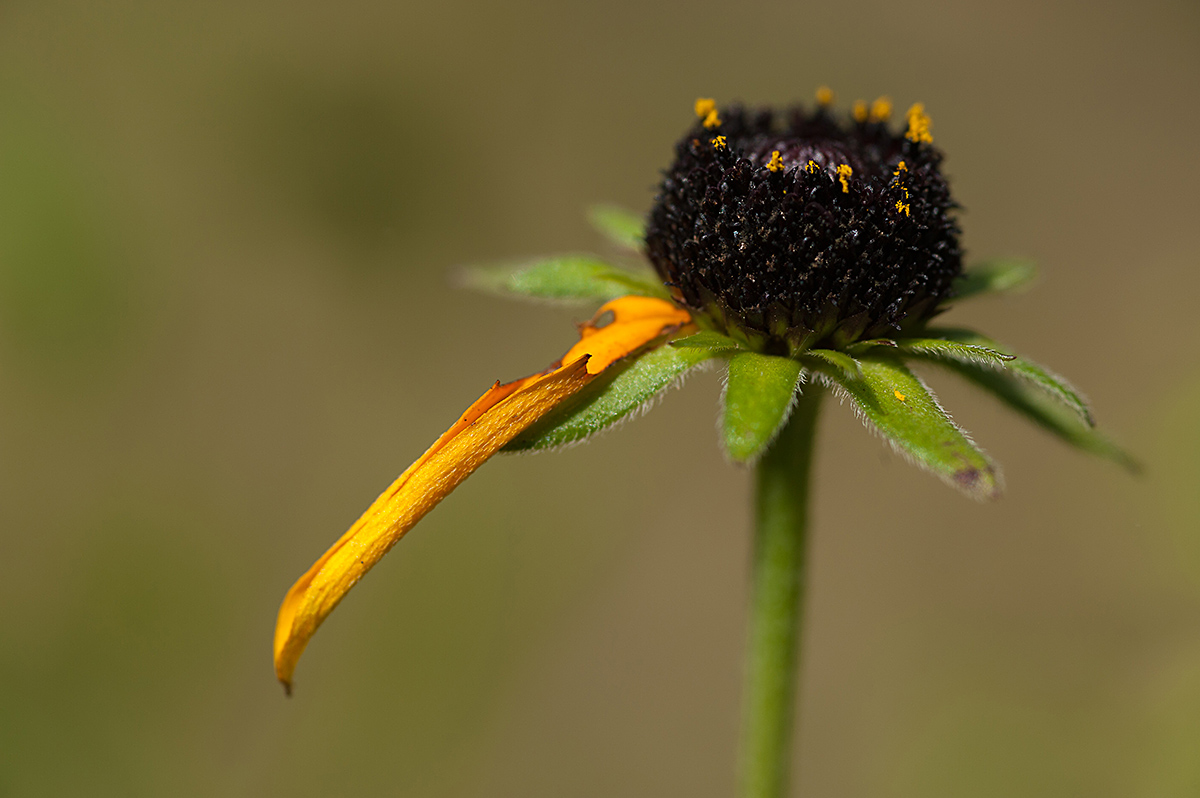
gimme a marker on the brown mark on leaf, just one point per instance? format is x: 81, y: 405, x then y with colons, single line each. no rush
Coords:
x: 973, y: 480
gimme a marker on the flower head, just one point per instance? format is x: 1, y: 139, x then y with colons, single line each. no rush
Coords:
x: 801, y: 250
x: 797, y: 228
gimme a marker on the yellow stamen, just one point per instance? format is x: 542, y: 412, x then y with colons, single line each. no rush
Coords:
x: 495, y: 419
x: 901, y: 169
x: 811, y: 166
x: 881, y: 110
x: 900, y: 396
x: 860, y: 111
x: 712, y: 120
x: 705, y: 106
x: 719, y: 142
x: 824, y: 96
x: 844, y: 171
x: 776, y: 163
x: 918, y: 125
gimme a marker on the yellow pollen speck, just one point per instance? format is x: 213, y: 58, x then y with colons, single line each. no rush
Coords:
x: 719, y: 142
x: 811, y: 166
x: 900, y: 396
x: 824, y: 95
x: 844, y: 171
x: 705, y: 106
x: 712, y: 120
x: 776, y: 163
x: 902, y: 206
x: 860, y: 111
x: 881, y: 110
x: 918, y: 125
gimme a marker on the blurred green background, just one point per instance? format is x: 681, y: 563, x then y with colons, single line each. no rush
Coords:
x: 226, y: 323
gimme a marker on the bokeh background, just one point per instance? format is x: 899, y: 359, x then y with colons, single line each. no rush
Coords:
x: 226, y: 323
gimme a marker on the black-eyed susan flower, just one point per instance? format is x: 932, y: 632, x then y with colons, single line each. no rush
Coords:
x: 807, y: 252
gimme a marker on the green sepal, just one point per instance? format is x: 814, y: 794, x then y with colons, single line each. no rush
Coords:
x: 894, y: 401
x: 566, y: 278
x: 707, y: 339
x: 1043, y: 409
x: 954, y: 350
x: 844, y: 363
x: 758, y: 398
x: 620, y: 226
x: 618, y: 392
x: 863, y: 346
x: 1034, y: 374
x: 1001, y: 274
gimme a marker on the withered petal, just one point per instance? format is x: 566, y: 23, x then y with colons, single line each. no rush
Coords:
x: 497, y: 417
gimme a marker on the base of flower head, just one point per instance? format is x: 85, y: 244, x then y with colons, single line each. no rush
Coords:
x: 773, y: 332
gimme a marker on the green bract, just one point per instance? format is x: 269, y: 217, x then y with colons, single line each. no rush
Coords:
x: 621, y: 227
x: 612, y: 398
x: 758, y: 397
x: 990, y: 276
x: 894, y: 401
x: 761, y: 388
x: 565, y: 278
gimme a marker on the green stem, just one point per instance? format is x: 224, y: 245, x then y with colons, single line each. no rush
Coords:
x: 781, y: 506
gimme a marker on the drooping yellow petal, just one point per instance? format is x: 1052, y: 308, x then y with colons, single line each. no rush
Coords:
x: 492, y: 421
x: 636, y: 321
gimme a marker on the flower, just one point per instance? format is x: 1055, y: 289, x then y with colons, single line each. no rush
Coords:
x: 802, y: 249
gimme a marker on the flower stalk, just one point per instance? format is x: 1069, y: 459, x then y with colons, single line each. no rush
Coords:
x: 783, y: 477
